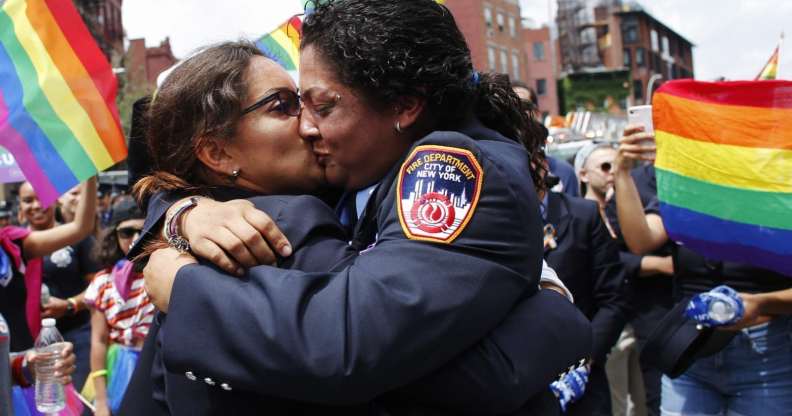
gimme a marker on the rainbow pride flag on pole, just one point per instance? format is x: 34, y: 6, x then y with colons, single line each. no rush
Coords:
x: 283, y: 44
x: 770, y: 70
x: 724, y: 169
x: 58, y: 115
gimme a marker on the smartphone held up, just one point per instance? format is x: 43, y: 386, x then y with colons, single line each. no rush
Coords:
x: 642, y: 115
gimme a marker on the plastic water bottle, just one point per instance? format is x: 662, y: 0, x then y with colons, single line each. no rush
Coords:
x: 720, y: 306
x: 49, y: 391
x: 722, y: 309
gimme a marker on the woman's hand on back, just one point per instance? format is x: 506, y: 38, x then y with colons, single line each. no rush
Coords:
x: 234, y: 235
x: 160, y: 274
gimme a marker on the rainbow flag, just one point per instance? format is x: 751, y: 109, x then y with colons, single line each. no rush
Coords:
x: 724, y: 169
x: 770, y: 69
x: 57, y: 96
x: 283, y: 44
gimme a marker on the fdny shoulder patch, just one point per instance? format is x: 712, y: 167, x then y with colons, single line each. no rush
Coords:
x: 439, y: 189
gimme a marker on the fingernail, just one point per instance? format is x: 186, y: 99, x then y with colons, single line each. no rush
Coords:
x: 286, y: 251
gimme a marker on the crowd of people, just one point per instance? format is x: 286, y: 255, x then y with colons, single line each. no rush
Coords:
x: 388, y: 239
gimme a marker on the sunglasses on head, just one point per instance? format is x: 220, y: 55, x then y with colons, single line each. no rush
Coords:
x: 128, y: 232
x: 606, y: 167
x: 288, y: 102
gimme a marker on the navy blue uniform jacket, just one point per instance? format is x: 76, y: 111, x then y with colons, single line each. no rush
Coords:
x: 347, y: 335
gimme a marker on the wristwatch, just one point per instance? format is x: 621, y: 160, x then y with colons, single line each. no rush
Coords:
x: 71, y: 306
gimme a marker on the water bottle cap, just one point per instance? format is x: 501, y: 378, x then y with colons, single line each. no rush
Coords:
x: 48, y: 322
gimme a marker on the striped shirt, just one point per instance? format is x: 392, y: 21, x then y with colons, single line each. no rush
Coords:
x: 128, y: 319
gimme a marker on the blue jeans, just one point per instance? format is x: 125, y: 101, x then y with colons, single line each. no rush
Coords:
x: 751, y: 376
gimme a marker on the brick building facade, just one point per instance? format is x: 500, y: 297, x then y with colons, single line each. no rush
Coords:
x: 493, y: 31
x: 145, y: 64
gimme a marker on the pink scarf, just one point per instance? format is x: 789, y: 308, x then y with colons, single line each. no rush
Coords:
x: 122, y: 271
x: 32, y: 274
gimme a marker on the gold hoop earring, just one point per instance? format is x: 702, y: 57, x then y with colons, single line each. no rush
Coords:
x: 398, y: 127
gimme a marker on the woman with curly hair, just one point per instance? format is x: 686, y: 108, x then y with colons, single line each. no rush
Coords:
x: 445, y: 255
x: 121, y: 312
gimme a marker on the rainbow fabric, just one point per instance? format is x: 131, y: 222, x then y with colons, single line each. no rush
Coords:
x: 57, y: 96
x: 283, y: 44
x: 771, y: 67
x: 724, y: 169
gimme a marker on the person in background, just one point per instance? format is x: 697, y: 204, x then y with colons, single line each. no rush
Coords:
x: 593, y: 165
x: 67, y: 205
x: 581, y: 250
x: 121, y: 313
x: 753, y: 373
x: 5, y: 213
x: 104, y: 205
x: 18, y: 369
x: 649, y: 290
x: 568, y: 183
x: 66, y: 273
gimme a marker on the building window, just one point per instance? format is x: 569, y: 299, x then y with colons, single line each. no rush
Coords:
x: 638, y: 89
x: 657, y: 63
x: 640, y: 57
x: 627, y: 58
x: 655, y: 41
x: 512, y: 27
x: 500, y: 21
x: 629, y: 33
x: 488, y: 16
x: 541, y: 86
x: 666, y: 49
x: 538, y: 51
x: 491, y: 58
x: 515, y: 65
x: 504, y: 58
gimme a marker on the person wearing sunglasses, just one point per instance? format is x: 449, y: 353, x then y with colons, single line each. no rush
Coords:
x: 121, y: 312
x: 593, y: 163
x: 381, y: 315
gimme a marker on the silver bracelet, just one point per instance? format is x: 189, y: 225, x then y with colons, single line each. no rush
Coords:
x: 171, y: 229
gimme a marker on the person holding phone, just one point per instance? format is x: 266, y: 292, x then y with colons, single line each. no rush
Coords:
x: 751, y: 374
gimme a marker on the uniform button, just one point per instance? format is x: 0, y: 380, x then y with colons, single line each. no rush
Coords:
x: 225, y: 387
x: 190, y: 376
x: 209, y: 381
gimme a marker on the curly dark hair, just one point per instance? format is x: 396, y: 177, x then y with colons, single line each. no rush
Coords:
x: 201, y: 98
x: 387, y: 50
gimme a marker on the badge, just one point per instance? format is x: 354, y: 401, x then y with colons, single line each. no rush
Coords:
x: 439, y: 189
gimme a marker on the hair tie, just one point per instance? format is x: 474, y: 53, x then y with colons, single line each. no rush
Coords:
x: 476, y: 79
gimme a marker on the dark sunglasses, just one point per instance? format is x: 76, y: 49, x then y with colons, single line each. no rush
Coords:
x: 606, y: 167
x: 288, y: 102
x: 128, y: 232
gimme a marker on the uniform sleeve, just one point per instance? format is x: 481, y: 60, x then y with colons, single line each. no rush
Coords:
x: 608, y: 274
x: 399, y: 311
x: 156, y: 208
x: 321, y: 242
x: 504, y: 370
